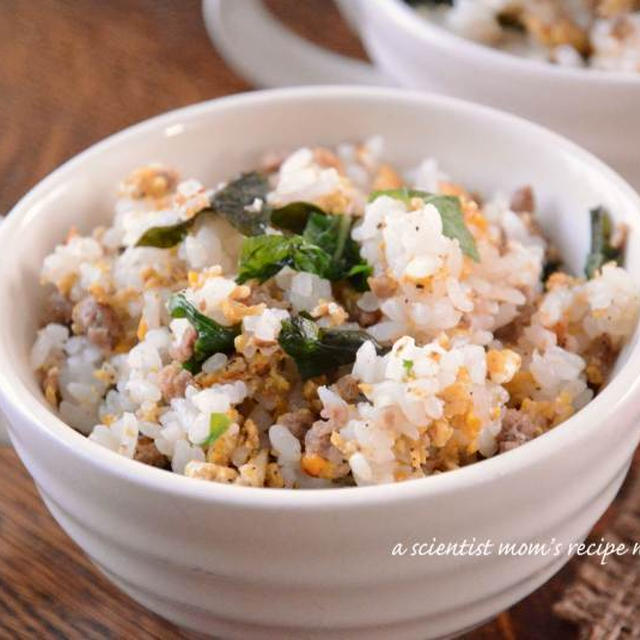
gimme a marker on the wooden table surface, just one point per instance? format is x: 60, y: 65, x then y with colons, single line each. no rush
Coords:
x: 72, y: 72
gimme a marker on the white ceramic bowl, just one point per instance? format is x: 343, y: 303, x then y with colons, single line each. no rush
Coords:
x: 261, y: 563
x: 597, y: 109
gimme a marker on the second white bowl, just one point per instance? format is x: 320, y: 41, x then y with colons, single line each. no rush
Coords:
x: 599, y: 110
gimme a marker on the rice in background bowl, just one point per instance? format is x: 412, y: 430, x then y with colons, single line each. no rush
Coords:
x: 595, y: 108
x: 602, y: 35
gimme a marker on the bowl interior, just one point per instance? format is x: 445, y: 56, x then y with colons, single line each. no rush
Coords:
x: 479, y: 147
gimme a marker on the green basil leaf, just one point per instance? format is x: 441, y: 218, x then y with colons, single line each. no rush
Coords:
x: 316, y: 350
x: 324, y: 231
x: 293, y: 217
x: 212, y: 336
x: 218, y: 424
x: 166, y: 237
x: 262, y: 257
x: 333, y: 234
x: 453, y: 225
x: 359, y: 275
x: 231, y: 202
x: 450, y: 211
x: 601, y: 249
x: 312, y: 259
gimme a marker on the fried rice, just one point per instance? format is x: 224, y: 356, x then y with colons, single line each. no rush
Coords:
x: 326, y: 320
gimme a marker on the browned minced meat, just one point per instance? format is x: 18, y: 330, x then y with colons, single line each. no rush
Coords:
x: 600, y: 356
x: 265, y: 294
x: 348, y: 298
x: 98, y: 321
x: 147, y: 453
x: 364, y: 318
x: 348, y: 389
x: 318, y: 441
x: 523, y: 200
x: 517, y: 428
x: 173, y: 381
x: 510, y: 333
x: 383, y: 286
x: 58, y: 309
x: 318, y: 438
x: 298, y: 422
x: 184, y: 350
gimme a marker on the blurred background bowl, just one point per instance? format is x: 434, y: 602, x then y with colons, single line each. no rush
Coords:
x: 598, y: 110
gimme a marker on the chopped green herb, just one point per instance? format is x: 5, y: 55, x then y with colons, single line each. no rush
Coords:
x: 293, y: 217
x: 231, y: 202
x: 212, y: 337
x: 408, y: 366
x: 316, y: 350
x: 324, y: 248
x: 601, y: 249
x: 317, y: 234
x: 169, y: 236
x: 450, y: 211
x: 453, y: 225
x: 262, y: 257
x: 332, y: 233
x: 218, y: 424
x: 328, y: 232
x: 358, y: 276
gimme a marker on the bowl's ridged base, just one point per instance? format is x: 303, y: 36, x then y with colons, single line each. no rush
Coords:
x: 174, y: 593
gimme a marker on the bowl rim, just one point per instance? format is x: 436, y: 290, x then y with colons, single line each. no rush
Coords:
x: 616, y: 397
x: 430, y: 33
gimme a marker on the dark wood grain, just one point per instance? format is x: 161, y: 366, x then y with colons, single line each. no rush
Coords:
x: 71, y: 72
